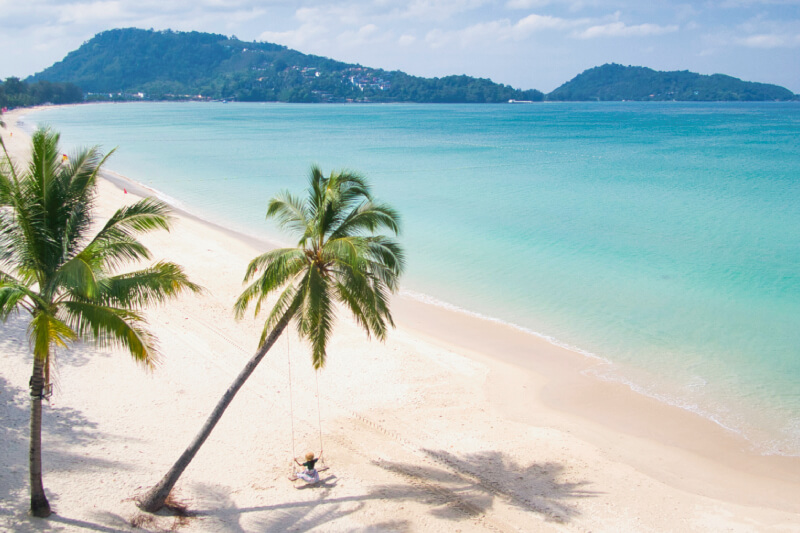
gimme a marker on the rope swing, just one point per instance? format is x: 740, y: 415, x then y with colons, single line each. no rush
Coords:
x: 291, y: 408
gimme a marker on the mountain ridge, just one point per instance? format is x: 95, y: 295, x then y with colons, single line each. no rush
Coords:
x: 133, y: 63
x: 167, y: 64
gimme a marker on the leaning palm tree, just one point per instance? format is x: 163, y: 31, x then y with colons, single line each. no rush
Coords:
x: 52, y: 270
x: 339, y: 257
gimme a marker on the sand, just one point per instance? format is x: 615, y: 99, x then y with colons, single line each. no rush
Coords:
x: 453, y: 424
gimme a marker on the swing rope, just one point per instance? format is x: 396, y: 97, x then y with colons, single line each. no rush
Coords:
x: 319, y: 414
x: 291, y: 402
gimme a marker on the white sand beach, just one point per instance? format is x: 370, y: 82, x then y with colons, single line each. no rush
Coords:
x: 453, y: 424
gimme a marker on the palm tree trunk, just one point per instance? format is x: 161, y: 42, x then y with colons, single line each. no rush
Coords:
x: 154, y: 499
x: 40, y: 507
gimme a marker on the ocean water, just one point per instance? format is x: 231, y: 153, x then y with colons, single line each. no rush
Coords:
x: 661, y: 237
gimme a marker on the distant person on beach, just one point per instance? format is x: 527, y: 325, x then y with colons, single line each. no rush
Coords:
x: 310, y: 474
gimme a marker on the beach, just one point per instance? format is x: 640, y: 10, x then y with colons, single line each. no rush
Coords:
x: 453, y: 424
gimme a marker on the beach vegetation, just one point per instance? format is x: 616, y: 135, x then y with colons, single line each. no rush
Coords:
x: 55, y: 271
x: 17, y: 93
x: 341, y: 259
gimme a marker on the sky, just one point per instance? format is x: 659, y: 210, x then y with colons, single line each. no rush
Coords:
x: 528, y: 44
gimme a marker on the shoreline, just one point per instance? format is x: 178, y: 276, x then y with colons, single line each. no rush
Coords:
x: 665, y: 443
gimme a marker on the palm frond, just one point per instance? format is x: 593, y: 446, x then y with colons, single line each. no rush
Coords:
x: 367, y: 295
x: 46, y: 331
x: 12, y: 297
x: 347, y: 296
x: 79, y: 176
x: 316, y: 314
x: 287, y: 304
x: 317, y: 186
x: 8, y: 176
x: 290, y: 212
x: 43, y: 167
x: 110, y: 327
x: 76, y: 276
x: 346, y: 188
x: 277, y: 260
x: 116, y: 243
x: 347, y: 249
x: 141, y: 217
x: 368, y: 218
x: 20, y: 292
x: 386, y: 259
x: 142, y: 288
x: 83, y: 169
x: 115, y: 249
x: 277, y: 268
x: 25, y: 237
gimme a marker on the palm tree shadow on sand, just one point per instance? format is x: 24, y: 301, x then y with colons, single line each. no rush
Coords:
x: 460, y: 488
x: 69, y: 431
x: 469, y: 485
x: 299, y: 516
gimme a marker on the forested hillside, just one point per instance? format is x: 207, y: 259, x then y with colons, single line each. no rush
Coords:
x: 16, y: 93
x: 613, y: 82
x: 162, y: 65
x: 167, y: 64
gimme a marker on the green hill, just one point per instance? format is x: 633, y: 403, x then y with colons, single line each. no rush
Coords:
x: 167, y: 64
x: 612, y: 82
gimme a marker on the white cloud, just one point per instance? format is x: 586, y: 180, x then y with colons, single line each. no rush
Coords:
x: 437, y: 38
x: 439, y: 9
x: 571, y: 5
x: 312, y: 29
x: 406, y: 40
x: 526, y: 4
x: 533, y: 23
x: 769, y: 41
x: 501, y: 30
x: 89, y: 12
x: 368, y: 33
x: 747, y: 3
x: 620, y: 29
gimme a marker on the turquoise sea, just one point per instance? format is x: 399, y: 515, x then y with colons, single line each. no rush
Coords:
x: 662, y: 237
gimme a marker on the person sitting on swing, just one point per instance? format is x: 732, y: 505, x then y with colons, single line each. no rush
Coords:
x: 310, y: 474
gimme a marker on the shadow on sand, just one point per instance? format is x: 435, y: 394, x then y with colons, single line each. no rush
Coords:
x: 469, y: 485
x: 65, y: 433
x: 462, y: 488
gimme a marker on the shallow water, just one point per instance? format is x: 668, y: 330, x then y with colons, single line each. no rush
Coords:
x: 663, y: 237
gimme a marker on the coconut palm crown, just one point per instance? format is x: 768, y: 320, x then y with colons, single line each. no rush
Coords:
x: 53, y: 270
x: 339, y: 258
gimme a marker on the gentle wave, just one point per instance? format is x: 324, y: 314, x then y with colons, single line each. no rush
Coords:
x: 430, y: 300
x: 608, y: 372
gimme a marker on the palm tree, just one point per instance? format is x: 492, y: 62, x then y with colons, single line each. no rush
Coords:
x: 52, y: 270
x: 338, y: 258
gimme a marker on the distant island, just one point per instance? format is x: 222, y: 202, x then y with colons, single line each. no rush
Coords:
x: 614, y: 82
x: 135, y: 64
